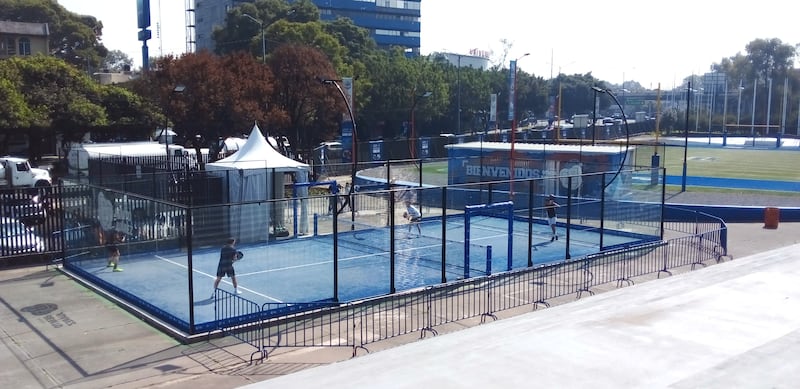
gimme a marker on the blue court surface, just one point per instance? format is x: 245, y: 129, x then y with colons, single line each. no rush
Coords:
x: 302, y: 270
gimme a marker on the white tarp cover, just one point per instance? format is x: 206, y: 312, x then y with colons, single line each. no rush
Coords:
x: 250, y: 177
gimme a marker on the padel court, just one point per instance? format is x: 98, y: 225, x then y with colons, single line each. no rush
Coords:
x: 357, y: 263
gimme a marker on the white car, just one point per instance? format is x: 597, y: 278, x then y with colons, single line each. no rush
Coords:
x: 16, y: 238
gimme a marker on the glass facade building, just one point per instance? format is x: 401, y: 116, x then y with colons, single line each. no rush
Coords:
x: 390, y: 22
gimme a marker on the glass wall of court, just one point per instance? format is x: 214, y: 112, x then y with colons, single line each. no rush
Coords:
x: 320, y: 245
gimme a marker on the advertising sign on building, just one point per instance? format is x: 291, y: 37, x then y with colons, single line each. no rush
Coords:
x: 481, y: 161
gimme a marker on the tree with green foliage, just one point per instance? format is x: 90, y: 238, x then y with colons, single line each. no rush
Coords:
x: 576, y: 95
x: 241, y: 33
x: 397, y: 84
x: 73, y: 38
x: 46, y: 98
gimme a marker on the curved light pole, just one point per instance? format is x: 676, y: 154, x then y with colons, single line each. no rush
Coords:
x: 627, y: 139
x: 263, y: 41
x: 335, y: 83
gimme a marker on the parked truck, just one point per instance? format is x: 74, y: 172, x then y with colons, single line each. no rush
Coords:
x: 17, y: 173
x: 16, y: 202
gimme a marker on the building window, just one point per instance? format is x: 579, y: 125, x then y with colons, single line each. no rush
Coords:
x: 24, y: 46
x: 387, y: 32
x: 11, y: 46
x: 399, y: 4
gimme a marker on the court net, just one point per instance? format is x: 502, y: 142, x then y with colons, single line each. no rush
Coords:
x: 424, y: 247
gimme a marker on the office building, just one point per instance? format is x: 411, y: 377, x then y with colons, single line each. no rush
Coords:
x: 390, y: 22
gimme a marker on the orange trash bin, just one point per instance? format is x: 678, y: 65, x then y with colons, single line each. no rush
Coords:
x: 772, y: 217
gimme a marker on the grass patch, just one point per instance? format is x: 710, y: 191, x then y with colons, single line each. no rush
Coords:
x: 772, y: 165
x: 759, y: 164
x: 711, y: 190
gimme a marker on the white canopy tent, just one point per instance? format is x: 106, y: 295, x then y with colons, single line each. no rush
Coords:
x: 256, y: 173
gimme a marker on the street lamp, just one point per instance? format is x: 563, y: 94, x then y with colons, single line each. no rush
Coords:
x: 180, y: 88
x: 263, y: 41
x: 512, y: 102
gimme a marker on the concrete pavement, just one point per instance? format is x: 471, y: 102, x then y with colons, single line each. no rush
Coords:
x: 55, y: 333
x: 731, y: 325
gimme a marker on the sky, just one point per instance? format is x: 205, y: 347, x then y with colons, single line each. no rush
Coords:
x: 616, y: 40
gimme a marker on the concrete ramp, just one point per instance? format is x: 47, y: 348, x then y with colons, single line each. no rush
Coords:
x: 731, y: 325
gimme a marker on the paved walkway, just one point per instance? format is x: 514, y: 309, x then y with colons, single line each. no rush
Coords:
x: 732, y: 325
x: 54, y: 333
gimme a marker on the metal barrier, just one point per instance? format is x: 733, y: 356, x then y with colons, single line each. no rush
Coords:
x: 229, y: 312
x: 359, y: 324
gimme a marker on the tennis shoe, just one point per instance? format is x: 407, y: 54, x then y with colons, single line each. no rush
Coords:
x: 238, y: 291
x: 552, y: 238
x: 117, y: 269
x: 556, y: 237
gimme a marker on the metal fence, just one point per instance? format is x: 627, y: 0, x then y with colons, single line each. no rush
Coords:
x: 358, y: 324
x: 148, y: 228
x: 33, y: 226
